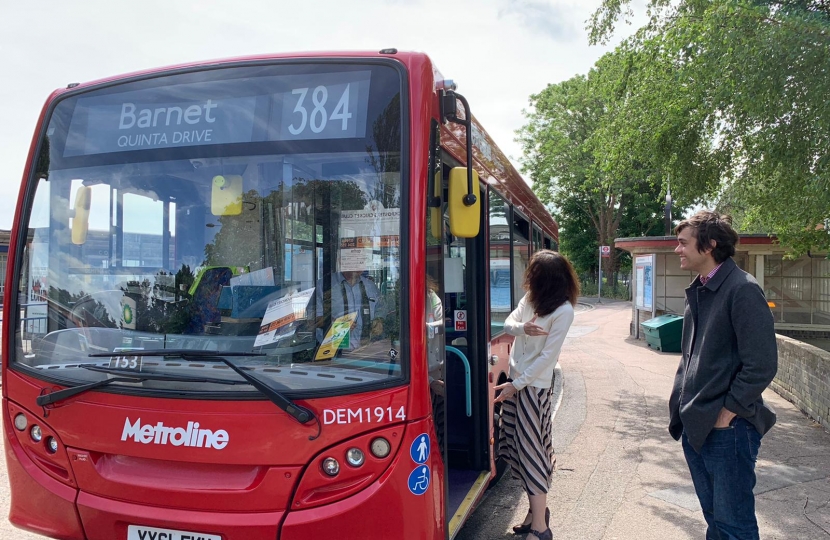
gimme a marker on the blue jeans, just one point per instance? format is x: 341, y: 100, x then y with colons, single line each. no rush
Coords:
x: 724, y: 477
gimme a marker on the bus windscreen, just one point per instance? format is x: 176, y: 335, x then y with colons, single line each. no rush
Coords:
x: 249, y: 209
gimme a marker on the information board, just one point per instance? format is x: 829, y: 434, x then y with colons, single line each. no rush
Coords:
x: 644, y: 282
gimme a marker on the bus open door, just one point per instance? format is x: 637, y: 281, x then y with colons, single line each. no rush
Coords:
x: 459, y: 386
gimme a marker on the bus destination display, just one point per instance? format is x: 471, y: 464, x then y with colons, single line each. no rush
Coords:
x: 275, y: 108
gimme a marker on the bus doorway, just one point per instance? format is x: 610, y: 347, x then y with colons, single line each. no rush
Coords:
x: 456, y: 340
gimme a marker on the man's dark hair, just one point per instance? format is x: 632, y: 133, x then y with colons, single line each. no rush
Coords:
x: 707, y: 225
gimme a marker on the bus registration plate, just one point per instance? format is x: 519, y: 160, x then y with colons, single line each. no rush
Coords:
x: 138, y: 532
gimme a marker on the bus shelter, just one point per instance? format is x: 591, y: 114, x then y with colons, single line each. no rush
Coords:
x: 798, y: 289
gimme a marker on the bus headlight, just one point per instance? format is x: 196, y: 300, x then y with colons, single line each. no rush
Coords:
x: 344, y: 469
x: 36, y: 434
x: 330, y: 466
x: 380, y: 447
x: 52, y: 444
x: 20, y: 422
x: 355, y: 457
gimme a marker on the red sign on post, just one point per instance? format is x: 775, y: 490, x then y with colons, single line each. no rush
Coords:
x: 605, y: 251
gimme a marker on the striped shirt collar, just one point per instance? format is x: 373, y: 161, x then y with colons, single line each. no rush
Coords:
x: 710, y: 275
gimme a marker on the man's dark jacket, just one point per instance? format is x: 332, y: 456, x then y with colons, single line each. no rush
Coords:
x: 729, y: 355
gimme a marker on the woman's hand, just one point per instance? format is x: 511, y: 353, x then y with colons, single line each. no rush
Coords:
x: 533, y: 329
x: 507, y: 391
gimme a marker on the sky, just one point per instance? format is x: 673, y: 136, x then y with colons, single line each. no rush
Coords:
x: 499, y: 52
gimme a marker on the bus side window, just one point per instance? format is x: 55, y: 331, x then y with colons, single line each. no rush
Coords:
x: 520, y: 238
x: 500, y: 306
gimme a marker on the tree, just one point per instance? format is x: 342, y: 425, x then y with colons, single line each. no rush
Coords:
x: 731, y: 95
x: 558, y: 156
x: 565, y: 153
x: 642, y: 217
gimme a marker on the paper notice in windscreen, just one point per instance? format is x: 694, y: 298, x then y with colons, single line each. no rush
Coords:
x: 276, y: 323
x: 336, y: 337
x: 365, y: 232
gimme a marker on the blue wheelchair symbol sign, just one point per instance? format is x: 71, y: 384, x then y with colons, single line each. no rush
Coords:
x: 419, y: 451
x: 419, y: 480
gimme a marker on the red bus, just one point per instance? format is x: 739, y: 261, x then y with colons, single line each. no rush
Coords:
x: 252, y: 299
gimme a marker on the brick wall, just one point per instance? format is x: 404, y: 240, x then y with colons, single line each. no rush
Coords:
x: 804, y: 378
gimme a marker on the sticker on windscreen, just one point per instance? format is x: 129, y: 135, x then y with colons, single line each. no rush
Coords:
x: 126, y: 362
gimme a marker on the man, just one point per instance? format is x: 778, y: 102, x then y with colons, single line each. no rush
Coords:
x: 729, y: 358
x: 350, y: 292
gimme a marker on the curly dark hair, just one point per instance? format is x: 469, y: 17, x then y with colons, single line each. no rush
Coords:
x: 706, y: 226
x: 550, y: 281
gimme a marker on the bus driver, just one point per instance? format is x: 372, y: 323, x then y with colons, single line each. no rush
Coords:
x: 350, y: 292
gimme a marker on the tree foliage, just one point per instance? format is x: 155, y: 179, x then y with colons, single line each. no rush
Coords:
x: 729, y: 97
x: 596, y: 195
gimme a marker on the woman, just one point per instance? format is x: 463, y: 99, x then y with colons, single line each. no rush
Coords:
x: 540, y: 324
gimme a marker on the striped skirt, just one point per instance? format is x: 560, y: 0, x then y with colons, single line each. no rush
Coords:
x: 525, y: 438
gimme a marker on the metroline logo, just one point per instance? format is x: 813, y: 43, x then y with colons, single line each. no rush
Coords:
x: 160, y: 434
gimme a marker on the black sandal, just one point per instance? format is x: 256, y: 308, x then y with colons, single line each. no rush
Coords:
x: 547, y: 535
x: 524, y: 529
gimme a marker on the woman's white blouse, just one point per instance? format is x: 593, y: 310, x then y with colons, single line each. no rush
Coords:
x: 532, y: 358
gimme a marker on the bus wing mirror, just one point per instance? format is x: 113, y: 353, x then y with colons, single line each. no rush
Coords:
x: 226, y: 195
x: 464, y: 219
x: 80, y: 222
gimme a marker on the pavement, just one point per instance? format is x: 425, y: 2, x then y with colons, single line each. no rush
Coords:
x: 621, y: 476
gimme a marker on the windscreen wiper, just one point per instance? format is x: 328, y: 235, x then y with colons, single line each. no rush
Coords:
x: 179, y: 353
x: 156, y: 376
x: 297, y: 412
x: 60, y: 395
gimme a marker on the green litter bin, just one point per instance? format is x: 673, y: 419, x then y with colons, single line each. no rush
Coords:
x: 664, y: 332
